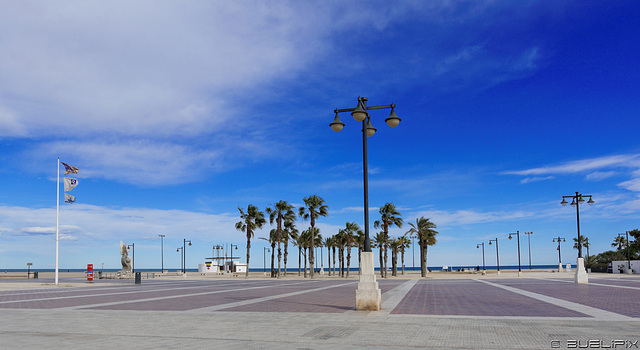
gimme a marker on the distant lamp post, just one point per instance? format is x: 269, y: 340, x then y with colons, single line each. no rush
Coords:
x: 184, y: 255
x: 133, y: 256
x: 529, y: 239
x: 497, y: 253
x: 265, y: 250
x: 368, y: 295
x: 576, y: 200
x: 161, y: 253
x: 484, y: 270
x: 629, y: 271
x: 518, y: 239
x: 179, y: 249
x: 559, y: 240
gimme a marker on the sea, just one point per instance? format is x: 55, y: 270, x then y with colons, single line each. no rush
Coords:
x: 289, y: 268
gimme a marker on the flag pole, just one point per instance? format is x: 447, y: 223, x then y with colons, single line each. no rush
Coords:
x: 57, y: 216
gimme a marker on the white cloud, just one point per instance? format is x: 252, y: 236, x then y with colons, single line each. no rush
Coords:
x: 579, y: 166
x: 536, y: 179
x: 600, y: 175
x: 444, y: 218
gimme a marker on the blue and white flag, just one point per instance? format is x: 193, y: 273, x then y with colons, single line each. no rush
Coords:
x: 68, y: 169
x: 69, y: 198
x: 70, y: 183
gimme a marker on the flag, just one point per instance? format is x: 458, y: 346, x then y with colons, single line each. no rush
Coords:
x: 68, y: 169
x: 69, y: 198
x: 70, y: 183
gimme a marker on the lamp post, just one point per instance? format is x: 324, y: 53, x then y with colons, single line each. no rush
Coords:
x: 497, y: 253
x: 184, y: 254
x: 179, y: 249
x: 529, y: 239
x: 559, y: 239
x: 368, y: 295
x: 133, y: 256
x: 629, y: 271
x: 577, y: 199
x: 162, y: 252
x: 518, y: 239
x: 231, y: 268
x: 484, y: 270
x: 265, y: 250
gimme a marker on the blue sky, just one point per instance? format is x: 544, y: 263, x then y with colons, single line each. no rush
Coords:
x: 177, y: 113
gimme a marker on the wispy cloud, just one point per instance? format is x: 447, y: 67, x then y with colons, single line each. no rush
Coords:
x: 536, y: 179
x: 579, y: 166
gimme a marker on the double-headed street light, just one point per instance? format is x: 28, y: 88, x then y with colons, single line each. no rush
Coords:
x: 518, y: 238
x: 559, y: 239
x: 368, y: 295
x: 497, y: 253
x: 484, y: 270
x: 184, y: 254
x: 576, y: 200
x: 529, y: 239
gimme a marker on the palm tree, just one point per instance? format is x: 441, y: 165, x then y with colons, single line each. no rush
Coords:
x: 360, y: 243
x: 582, y: 242
x: 287, y: 232
x: 296, y: 239
x: 389, y: 216
x: 619, y: 241
x: 379, y: 242
x: 314, y: 207
x: 352, y: 231
x: 405, y: 242
x: 328, y: 242
x: 424, y: 230
x: 273, y: 236
x: 280, y: 212
x: 251, y: 220
x: 394, y: 244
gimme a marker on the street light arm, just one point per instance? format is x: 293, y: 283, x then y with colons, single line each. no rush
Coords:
x: 342, y: 110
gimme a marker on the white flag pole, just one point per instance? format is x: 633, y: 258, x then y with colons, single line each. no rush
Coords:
x: 57, y: 216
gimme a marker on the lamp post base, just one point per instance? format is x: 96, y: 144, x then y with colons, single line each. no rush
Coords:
x: 581, y: 274
x: 368, y: 295
x: 560, y: 267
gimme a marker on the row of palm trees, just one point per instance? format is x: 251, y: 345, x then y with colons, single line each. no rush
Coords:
x: 283, y: 215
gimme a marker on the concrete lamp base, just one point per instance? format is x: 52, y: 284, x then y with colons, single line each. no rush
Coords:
x: 368, y: 295
x: 581, y: 274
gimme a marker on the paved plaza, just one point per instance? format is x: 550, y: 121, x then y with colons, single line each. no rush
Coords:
x: 536, y: 311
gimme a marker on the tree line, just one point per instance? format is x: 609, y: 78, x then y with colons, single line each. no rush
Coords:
x: 283, y: 216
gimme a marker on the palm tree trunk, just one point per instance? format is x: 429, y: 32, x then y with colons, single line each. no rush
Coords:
x: 286, y: 253
x: 305, y: 263
x: 334, y: 261
x: 423, y: 260
x: 273, y: 251
x: 348, y: 260
x: 329, y: 261
x: 299, y: 259
x: 248, y: 249
x: 402, y: 256
x: 394, y: 262
x: 279, y: 258
x: 313, y: 238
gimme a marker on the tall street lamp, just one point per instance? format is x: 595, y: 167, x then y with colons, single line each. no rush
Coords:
x: 497, y: 253
x: 484, y: 270
x: 184, y: 255
x: 576, y: 200
x: 529, y: 239
x: 518, y: 239
x: 368, y: 295
x: 133, y: 256
x: 162, y: 252
x: 265, y: 250
x: 559, y: 239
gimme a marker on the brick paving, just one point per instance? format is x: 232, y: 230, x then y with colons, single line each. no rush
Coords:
x: 619, y: 300
x: 472, y: 298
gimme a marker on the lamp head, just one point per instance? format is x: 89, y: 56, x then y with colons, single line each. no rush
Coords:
x: 573, y: 203
x: 337, y: 124
x: 510, y: 237
x: 564, y: 202
x: 590, y: 201
x: 490, y: 243
x: 370, y: 129
x: 393, y: 120
x: 580, y: 200
x: 360, y: 112
x: 189, y: 244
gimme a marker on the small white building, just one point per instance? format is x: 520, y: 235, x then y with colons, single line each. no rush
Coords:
x: 227, y: 267
x: 623, y: 266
